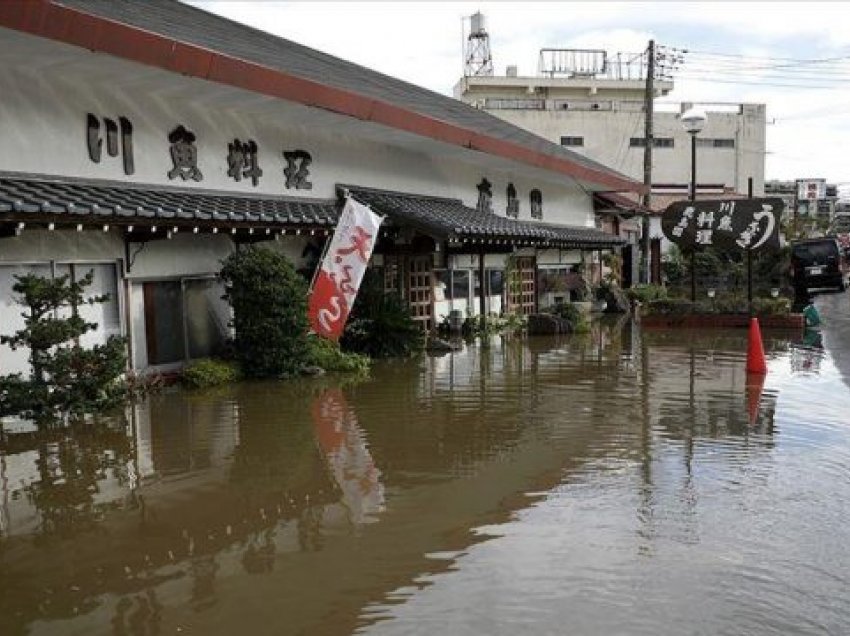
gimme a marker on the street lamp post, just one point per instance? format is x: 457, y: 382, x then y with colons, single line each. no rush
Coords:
x: 693, y: 121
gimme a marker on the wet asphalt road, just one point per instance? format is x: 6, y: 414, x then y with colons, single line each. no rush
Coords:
x: 834, y: 309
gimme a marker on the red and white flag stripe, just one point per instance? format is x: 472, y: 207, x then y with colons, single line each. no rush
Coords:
x: 336, y: 284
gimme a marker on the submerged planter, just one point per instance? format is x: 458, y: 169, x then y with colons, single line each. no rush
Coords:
x: 700, y: 321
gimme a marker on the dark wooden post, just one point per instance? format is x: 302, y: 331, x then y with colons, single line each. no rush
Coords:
x: 693, y: 197
x: 750, y: 257
x: 482, y: 299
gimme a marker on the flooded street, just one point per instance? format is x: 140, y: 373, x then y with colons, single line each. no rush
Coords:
x: 622, y: 482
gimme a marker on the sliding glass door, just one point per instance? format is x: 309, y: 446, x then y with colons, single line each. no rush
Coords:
x: 184, y: 319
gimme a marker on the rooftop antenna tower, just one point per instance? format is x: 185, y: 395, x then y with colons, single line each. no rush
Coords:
x: 477, y: 59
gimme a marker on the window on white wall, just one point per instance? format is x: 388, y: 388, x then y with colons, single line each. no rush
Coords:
x: 572, y: 141
x: 460, y: 284
x: 495, y: 282
x: 657, y: 142
x: 442, y: 285
x: 707, y: 142
x: 106, y: 315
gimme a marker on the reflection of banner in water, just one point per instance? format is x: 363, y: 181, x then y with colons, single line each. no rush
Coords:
x: 344, y: 445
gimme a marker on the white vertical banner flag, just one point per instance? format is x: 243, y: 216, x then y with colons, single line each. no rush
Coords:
x: 335, y: 286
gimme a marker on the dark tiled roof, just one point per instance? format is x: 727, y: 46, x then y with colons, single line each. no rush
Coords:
x: 584, y: 237
x: 192, y: 25
x: 451, y: 219
x: 110, y: 202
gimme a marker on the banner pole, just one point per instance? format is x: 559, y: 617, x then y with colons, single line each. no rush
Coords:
x: 316, y: 271
x: 750, y: 257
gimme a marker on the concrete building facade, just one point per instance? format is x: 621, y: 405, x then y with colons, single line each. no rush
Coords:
x: 603, y: 118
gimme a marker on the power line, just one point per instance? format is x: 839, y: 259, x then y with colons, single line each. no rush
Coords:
x: 705, y: 78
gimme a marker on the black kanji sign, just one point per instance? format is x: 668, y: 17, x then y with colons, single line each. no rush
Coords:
x: 743, y: 224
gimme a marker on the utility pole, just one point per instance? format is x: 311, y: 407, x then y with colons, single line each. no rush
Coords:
x: 649, y: 109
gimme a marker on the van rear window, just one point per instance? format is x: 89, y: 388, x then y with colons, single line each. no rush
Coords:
x: 812, y: 251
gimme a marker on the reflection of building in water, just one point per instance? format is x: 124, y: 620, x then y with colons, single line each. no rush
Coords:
x: 700, y: 389
x: 59, y: 481
x: 175, y: 434
x: 506, y: 360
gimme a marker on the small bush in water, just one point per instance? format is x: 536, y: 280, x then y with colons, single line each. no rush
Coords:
x: 573, y: 315
x: 327, y: 355
x: 207, y: 372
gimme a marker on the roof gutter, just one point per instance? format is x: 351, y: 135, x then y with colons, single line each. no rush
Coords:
x: 70, y: 26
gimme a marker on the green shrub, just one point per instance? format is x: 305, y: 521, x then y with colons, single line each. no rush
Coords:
x: 646, y: 293
x: 380, y: 325
x: 269, y: 301
x: 729, y: 303
x: 573, y: 315
x: 670, y: 306
x: 208, y: 372
x: 495, y: 324
x: 327, y: 355
x: 673, y: 266
x: 772, y: 306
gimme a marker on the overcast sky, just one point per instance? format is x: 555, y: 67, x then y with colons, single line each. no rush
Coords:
x: 739, y: 52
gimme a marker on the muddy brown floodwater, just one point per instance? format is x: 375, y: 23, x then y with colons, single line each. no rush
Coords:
x: 620, y: 482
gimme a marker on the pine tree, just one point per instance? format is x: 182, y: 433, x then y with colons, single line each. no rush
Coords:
x: 66, y: 379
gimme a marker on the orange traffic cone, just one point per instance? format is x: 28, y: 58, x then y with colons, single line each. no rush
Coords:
x: 755, y: 350
x: 755, y: 385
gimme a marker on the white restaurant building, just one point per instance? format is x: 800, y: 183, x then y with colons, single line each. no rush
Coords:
x: 147, y: 141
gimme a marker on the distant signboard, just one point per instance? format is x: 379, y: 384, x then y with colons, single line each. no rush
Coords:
x: 736, y: 224
x: 811, y: 189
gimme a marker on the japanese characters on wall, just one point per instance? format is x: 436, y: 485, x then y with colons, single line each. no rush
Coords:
x: 296, y: 171
x: 241, y: 157
x: 485, y: 196
x: 739, y: 224
x: 94, y: 139
x: 241, y: 161
x: 485, y: 200
x: 184, y: 155
x: 512, y: 209
x: 536, y: 201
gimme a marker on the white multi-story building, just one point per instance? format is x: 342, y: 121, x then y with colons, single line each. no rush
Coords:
x: 581, y: 101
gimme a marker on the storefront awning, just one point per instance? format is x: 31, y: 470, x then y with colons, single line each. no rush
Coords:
x: 25, y: 199
x: 620, y: 204
x: 451, y: 220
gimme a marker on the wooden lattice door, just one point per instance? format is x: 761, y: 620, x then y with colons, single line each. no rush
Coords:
x: 420, y: 290
x: 521, y: 286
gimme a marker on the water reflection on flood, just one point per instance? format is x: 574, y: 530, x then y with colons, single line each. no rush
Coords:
x: 625, y: 482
